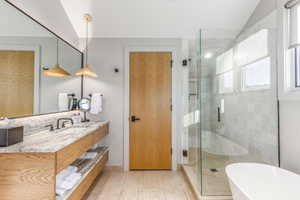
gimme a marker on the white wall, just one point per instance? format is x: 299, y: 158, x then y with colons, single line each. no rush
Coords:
x: 105, y: 55
x: 264, y: 8
x: 289, y: 107
x: 52, y: 15
x: 289, y: 135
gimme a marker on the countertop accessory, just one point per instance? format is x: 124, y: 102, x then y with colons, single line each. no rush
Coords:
x: 85, y: 106
x: 10, y: 136
x: 76, y: 118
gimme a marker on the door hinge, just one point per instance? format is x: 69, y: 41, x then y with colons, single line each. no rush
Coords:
x: 171, y: 63
x: 185, y: 153
x: 171, y: 151
x: 171, y: 107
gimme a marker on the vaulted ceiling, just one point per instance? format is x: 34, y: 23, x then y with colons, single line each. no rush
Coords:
x: 158, y: 18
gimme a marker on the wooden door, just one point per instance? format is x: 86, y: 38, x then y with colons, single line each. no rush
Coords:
x: 150, y: 103
x: 16, y: 83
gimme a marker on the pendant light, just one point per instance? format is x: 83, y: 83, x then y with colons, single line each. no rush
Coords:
x: 86, y: 70
x: 57, y: 70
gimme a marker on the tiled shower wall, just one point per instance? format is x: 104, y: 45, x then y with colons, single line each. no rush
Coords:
x: 251, y: 117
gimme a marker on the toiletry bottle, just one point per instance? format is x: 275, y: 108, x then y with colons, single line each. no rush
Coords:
x: 76, y: 118
x: 75, y: 104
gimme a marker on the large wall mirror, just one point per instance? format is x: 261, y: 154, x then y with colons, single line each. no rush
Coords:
x: 27, y: 52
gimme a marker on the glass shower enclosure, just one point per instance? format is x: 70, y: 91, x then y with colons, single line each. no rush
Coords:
x: 233, y: 103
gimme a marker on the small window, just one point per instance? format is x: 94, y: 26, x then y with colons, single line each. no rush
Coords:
x: 297, y: 66
x: 254, y: 60
x: 257, y: 75
x: 294, y: 26
x: 225, y: 62
x: 224, y: 71
x: 253, y: 48
x: 292, y: 71
x: 226, y: 82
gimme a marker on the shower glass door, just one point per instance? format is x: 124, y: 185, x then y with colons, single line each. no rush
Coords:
x: 192, y: 116
x: 238, y: 101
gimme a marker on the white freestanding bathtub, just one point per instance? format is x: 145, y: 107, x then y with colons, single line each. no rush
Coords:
x: 251, y: 181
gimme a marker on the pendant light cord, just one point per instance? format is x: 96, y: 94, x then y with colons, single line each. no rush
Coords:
x: 57, y: 52
x: 87, y: 40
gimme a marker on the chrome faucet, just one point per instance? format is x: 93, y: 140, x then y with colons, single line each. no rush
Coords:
x: 50, y: 126
x: 63, y: 119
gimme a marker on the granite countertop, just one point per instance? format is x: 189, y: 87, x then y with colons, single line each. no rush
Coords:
x: 47, y: 141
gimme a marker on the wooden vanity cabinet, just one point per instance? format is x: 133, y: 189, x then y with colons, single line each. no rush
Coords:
x: 32, y: 176
x: 69, y: 154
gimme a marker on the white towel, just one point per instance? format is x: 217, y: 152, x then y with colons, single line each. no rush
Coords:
x: 69, y: 182
x: 95, y: 146
x: 60, y: 191
x: 63, y: 102
x: 89, y: 155
x: 96, y: 103
x: 65, y: 173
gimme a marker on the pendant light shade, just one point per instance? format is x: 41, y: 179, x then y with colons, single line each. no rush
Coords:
x: 86, y: 70
x: 57, y: 70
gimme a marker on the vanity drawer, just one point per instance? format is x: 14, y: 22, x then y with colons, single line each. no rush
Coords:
x: 70, y: 153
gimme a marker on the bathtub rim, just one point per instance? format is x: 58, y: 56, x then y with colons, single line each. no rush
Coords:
x: 271, y: 167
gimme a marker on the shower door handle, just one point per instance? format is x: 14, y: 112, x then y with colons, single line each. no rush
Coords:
x: 134, y: 118
x: 219, y: 115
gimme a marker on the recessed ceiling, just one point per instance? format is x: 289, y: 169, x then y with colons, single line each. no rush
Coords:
x: 158, y: 18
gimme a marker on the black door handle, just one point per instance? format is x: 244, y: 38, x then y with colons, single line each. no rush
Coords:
x: 134, y: 118
x: 219, y: 114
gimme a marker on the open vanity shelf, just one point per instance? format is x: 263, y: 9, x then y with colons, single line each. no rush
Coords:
x: 87, y: 178
x: 32, y: 175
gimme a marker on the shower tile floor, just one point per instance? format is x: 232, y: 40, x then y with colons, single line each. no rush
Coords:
x: 214, y: 179
x: 215, y: 182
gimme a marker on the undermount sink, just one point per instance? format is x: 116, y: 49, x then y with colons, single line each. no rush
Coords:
x: 70, y: 128
x: 78, y: 126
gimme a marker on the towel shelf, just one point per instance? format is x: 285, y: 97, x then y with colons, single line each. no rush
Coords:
x: 87, y: 179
